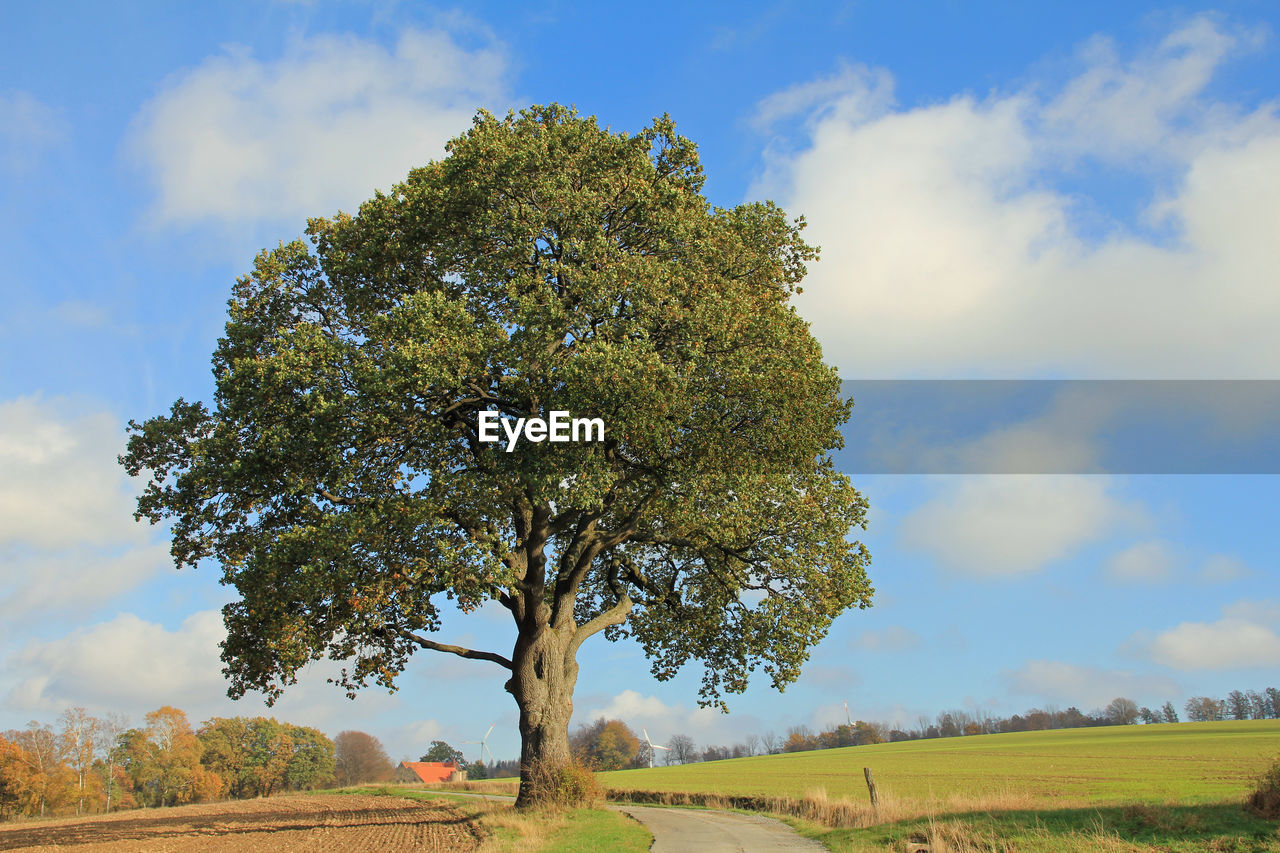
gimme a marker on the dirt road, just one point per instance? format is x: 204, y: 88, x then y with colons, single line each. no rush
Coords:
x: 704, y: 831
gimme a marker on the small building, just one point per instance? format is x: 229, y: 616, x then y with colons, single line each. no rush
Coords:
x: 435, y: 771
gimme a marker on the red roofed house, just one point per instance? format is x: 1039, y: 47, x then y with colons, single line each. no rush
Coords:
x: 435, y: 771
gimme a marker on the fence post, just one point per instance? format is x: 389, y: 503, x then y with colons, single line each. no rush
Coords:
x: 871, y: 786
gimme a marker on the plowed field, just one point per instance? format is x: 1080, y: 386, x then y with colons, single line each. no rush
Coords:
x: 297, y: 822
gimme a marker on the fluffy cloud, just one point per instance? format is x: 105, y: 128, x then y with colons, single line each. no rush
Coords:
x: 74, y: 580
x: 239, y: 139
x: 62, y: 484
x: 1245, y: 636
x: 132, y: 665
x: 1224, y: 644
x: 949, y: 250
x: 27, y: 129
x: 1004, y: 526
x: 661, y: 720
x: 1223, y: 568
x: 126, y: 662
x: 1085, y: 686
x: 68, y: 539
x: 1143, y: 562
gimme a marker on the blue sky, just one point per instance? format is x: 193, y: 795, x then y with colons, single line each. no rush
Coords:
x: 1008, y: 191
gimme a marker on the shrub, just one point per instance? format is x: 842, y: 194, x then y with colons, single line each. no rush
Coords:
x: 568, y: 786
x: 1265, y: 800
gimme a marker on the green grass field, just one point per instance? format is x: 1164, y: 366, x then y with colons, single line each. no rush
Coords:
x: 1180, y: 762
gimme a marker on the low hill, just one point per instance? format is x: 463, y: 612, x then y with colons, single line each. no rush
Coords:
x: 1182, y: 762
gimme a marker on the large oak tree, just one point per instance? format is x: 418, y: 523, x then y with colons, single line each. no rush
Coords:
x: 543, y: 264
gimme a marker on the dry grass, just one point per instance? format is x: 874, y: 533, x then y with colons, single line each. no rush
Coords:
x: 511, y: 831
x: 819, y: 807
x: 953, y: 836
x: 498, y: 788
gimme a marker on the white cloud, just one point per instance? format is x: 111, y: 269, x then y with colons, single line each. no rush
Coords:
x: 1245, y: 636
x: 1010, y: 525
x: 1087, y: 687
x: 126, y: 662
x: 68, y: 540
x: 949, y: 251
x: 34, y: 585
x: 1263, y: 611
x: 417, y: 734
x: 240, y: 139
x: 1143, y: 562
x: 1225, y: 644
x: 62, y: 483
x: 132, y: 665
x: 28, y: 128
x: 1223, y: 568
x: 662, y: 720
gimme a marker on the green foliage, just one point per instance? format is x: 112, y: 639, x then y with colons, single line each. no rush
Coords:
x: 1264, y: 800
x: 544, y: 264
x: 256, y: 757
x: 441, y: 751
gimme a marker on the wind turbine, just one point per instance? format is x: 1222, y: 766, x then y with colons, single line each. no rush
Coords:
x: 484, y: 744
x: 652, y: 746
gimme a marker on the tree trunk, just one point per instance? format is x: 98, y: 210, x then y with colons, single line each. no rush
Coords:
x: 544, y: 672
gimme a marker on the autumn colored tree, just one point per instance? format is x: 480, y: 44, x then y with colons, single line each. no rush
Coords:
x: 46, y: 780
x: 360, y: 757
x: 163, y: 760
x: 344, y: 480
x: 1202, y: 709
x: 799, y: 739
x: 606, y: 745
x: 17, y: 785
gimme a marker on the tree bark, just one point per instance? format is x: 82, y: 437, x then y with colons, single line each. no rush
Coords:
x: 544, y: 673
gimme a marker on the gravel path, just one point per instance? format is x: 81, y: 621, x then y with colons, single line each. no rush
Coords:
x: 707, y: 831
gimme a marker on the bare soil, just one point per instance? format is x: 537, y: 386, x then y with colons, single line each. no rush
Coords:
x: 324, y: 822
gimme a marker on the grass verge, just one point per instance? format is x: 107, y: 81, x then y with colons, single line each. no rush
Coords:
x: 1138, y: 828
x: 509, y: 831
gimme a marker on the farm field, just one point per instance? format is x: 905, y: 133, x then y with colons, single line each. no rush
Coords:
x: 1180, y: 762
x: 327, y: 822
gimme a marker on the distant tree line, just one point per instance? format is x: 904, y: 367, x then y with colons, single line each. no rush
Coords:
x: 90, y: 765
x: 1238, y: 705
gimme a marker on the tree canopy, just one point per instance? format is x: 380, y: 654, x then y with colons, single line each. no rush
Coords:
x: 442, y: 751
x: 544, y: 264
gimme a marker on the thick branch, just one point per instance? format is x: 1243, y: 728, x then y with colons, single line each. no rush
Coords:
x: 615, y: 615
x: 455, y: 650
